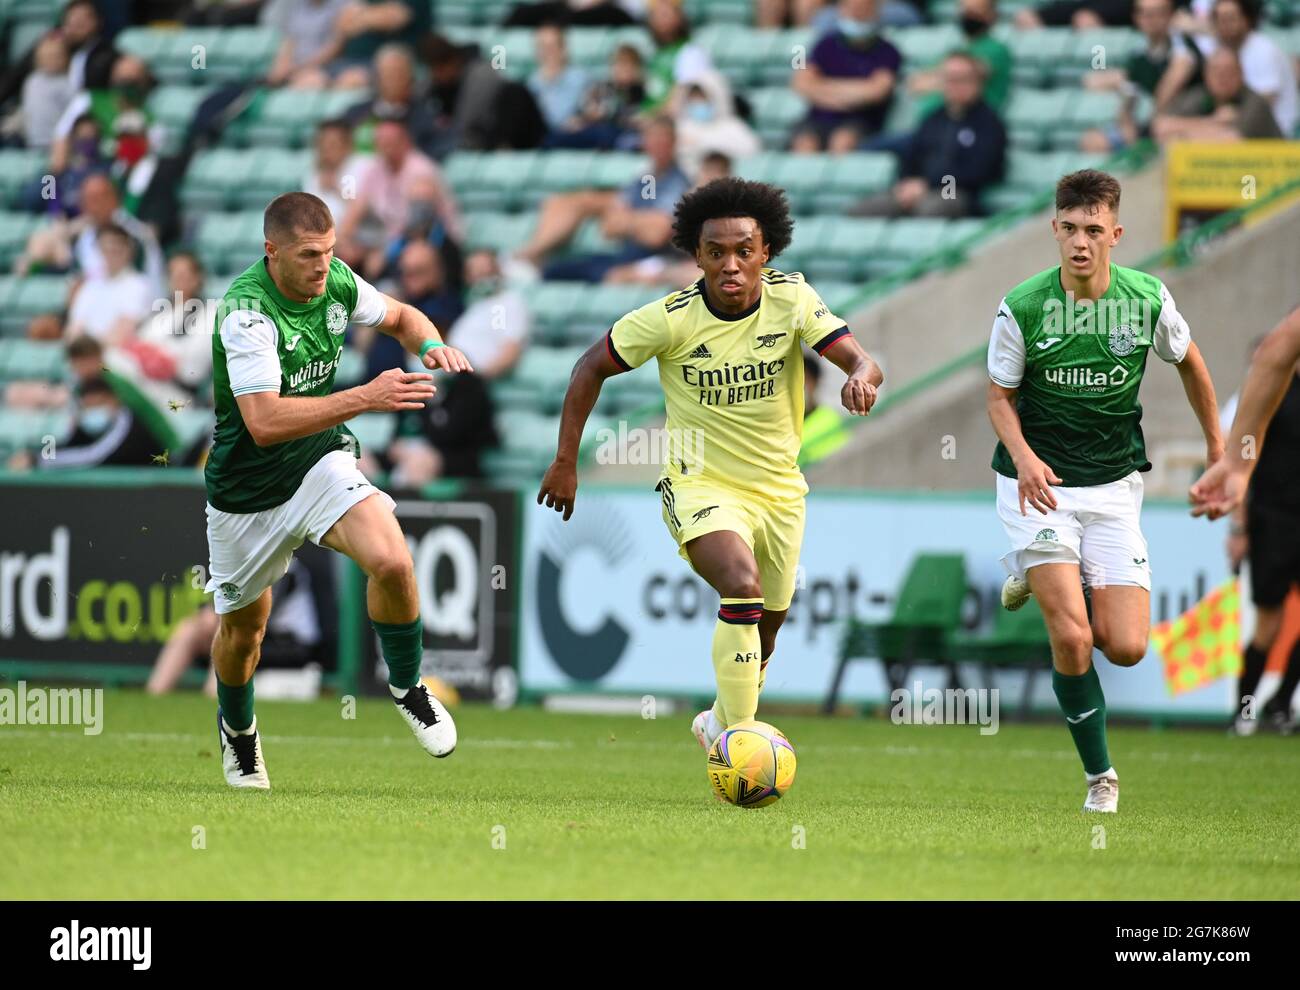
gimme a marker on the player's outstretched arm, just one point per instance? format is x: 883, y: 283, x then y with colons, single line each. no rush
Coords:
x: 1223, y: 485
x: 1200, y: 396
x: 864, y: 375
x: 273, y: 418
x: 1035, y: 479
x: 560, y: 483
x: 412, y: 329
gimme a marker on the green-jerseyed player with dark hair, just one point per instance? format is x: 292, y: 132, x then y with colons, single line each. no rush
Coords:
x: 283, y: 466
x: 1066, y: 358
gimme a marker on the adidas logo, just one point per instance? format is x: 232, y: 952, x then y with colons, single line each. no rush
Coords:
x: 701, y: 352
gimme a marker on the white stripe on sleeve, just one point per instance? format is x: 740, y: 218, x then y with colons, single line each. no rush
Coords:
x: 1006, y: 362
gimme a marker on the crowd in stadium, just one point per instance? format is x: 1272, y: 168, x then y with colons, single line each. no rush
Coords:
x: 412, y: 96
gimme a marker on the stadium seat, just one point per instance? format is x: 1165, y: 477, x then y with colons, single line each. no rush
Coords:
x: 215, y: 178
x: 927, y: 614
x: 853, y: 250
x: 174, y: 108
x: 23, y: 429
x: 507, y: 180
x: 374, y: 430
x: 15, y: 229
x: 190, y: 425
x: 776, y: 111
x: 922, y: 47
x: 31, y: 360
x: 1087, y: 110
x: 19, y: 168
x: 1017, y: 640
x: 853, y: 177
x: 539, y: 379
x: 34, y: 296
x: 498, y: 231
x: 1032, y: 115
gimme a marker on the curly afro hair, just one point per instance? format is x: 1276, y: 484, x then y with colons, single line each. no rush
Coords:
x: 731, y: 197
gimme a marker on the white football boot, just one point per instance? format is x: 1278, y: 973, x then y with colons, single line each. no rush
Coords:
x: 1015, y: 592
x: 1103, y: 793
x: 241, y: 756
x: 706, y: 729
x: 428, y: 719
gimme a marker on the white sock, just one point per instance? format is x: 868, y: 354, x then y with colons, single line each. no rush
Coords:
x: 397, y: 692
x: 239, y: 732
x: 714, y: 727
x: 1092, y: 778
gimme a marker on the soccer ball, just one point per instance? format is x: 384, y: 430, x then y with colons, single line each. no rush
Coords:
x: 751, y: 764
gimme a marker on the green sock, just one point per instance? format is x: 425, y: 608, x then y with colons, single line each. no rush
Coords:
x: 403, y: 649
x: 1081, y: 698
x: 236, y: 704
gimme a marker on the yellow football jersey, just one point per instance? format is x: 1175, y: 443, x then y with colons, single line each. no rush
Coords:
x: 733, y: 385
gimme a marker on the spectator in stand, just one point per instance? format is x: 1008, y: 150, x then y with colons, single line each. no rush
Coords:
x: 849, y: 81
x: 824, y: 429
x: 106, y: 433
x: 46, y: 92
x: 557, y: 86
x: 423, y: 284
x: 478, y: 108
x: 1168, y: 64
x: 391, y: 188
x: 222, y: 13
x: 175, y: 343
x: 365, y: 26
x: 335, y: 172
x: 786, y: 13
x: 672, y: 267
x: 640, y: 216
x: 957, y: 151
x: 63, y: 245
x: 574, y: 13
x: 310, y: 41
x: 1223, y: 109
x: 125, y: 122
x: 38, y: 394
x: 84, y: 158
x: 109, y: 305
x: 707, y: 123
x: 81, y: 29
x: 397, y: 96
x: 1082, y: 15
x: 607, y: 117
x: 494, y: 330
x: 977, y: 19
x: 1267, y: 70
x: 676, y: 59
x: 447, y: 438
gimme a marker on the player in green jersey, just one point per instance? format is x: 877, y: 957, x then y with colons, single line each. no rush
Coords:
x: 1066, y: 358
x: 283, y: 466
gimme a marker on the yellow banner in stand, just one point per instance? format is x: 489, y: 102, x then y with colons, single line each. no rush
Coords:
x: 1205, y: 176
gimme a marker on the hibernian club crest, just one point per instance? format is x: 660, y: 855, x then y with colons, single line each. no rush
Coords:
x: 336, y: 319
x: 1122, y: 340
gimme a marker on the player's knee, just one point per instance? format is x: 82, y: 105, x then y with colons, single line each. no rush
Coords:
x: 393, y: 567
x: 1074, y: 644
x: 741, y: 581
x: 1125, y: 653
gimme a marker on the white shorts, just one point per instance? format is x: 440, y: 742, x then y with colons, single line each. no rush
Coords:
x: 1094, y: 526
x: 249, y: 551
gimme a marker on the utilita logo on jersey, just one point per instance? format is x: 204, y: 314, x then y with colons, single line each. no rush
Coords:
x: 313, y: 373
x: 733, y: 383
x: 1086, y: 379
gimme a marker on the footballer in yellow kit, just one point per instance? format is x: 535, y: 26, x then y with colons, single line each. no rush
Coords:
x: 730, y: 355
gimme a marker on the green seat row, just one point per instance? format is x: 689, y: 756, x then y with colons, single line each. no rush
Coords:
x: 227, y: 179
x: 202, y: 56
x: 24, y: 429
x: 29, y: 296
x: 515, y: 180
x: 31, y: 360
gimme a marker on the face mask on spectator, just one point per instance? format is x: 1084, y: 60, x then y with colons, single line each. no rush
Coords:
x: 95, y: 419
x: 856, y: 30
x: 700, y: 110
x: 973, y: 26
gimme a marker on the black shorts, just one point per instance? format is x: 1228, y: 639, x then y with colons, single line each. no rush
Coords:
x: 1274, y: 554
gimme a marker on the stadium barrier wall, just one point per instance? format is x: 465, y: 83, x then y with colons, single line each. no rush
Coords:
x: 98, y: 566
x: 601, y: 604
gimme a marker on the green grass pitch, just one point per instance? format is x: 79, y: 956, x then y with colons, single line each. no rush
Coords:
x: 619, y: 807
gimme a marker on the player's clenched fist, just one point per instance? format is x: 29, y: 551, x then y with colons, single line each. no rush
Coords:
x: 559, y: 488
x: 395, y: 390
x: 858, y: 396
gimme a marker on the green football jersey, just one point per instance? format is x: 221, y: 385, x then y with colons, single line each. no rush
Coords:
x: 1078, y: 365
x: 265, y: 342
